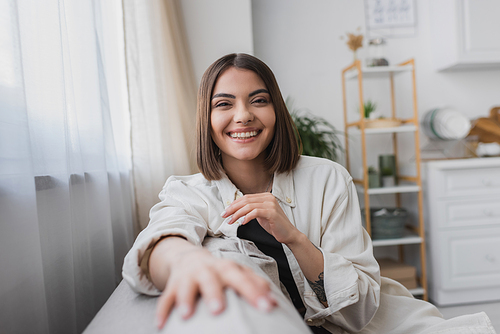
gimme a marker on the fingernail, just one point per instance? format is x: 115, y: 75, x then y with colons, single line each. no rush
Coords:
x: 223, y: 213
x: 263, y: 304
x: 214, y: 306
x: 184, y: 310
x: 159, y: 323
x: 241, y: 220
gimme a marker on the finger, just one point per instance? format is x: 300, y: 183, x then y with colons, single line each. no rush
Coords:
x: 245, y: 210
x: 254, y: 214
x: 212, y: 291
x: 186, y: 297
x: 252, y: 287
x: 264, y: 284
x: 164, y: 307
x: 242, y: 201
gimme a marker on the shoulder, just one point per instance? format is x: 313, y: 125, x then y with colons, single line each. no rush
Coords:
x: 194, y: 180
x: 187, y: 185
x: 321, y: 167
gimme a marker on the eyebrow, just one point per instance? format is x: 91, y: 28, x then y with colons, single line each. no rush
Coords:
x: 258, y: 91
x: 230, y: 96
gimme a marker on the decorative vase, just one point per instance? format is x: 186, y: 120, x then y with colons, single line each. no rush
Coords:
x: 387, y: 167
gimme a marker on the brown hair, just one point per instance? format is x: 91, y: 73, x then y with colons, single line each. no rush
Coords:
x: 282, y: 153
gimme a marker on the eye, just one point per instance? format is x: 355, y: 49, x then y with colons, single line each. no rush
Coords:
x: 221, y: 104
x: 260, y: 100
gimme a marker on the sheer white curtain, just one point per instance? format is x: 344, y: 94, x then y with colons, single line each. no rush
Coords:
x: 65, y: 196
x: 162, y: 92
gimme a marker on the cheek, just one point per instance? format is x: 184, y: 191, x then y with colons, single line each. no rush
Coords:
x: 271, y: 121
x: 218, y: 124
x: 214, y: 123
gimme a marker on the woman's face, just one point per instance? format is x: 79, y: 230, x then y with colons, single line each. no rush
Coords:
x: 242, y: 117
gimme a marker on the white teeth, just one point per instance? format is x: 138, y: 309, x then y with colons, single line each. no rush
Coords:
x: 241, y: 135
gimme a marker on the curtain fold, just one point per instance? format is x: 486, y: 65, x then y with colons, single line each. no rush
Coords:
x: 162, y: 97
x: 66, y: 212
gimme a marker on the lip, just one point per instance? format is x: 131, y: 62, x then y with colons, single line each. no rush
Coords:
x: 240, y: 130
x: 243, y: 130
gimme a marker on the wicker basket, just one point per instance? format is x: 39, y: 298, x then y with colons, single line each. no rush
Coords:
x: 387, y: 223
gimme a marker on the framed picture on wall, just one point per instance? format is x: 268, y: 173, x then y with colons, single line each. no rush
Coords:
x: 390, y: 18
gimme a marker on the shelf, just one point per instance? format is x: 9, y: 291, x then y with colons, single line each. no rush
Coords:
x: 377, y: 72
x: 417, y: 291
x: 404, y: 188
x: 409, y: 238
x: 395, y: 129
x: 355, y: 76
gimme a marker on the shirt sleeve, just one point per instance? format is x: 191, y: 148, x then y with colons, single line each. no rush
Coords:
x: 180, y: 212
x: 351, y: 273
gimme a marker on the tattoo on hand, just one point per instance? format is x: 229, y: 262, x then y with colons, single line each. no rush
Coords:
x: 319, y: 287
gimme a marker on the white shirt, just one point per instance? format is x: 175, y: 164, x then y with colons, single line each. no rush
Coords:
x: 319, y: 199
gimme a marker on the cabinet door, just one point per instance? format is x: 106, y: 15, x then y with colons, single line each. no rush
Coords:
x: 465, y: 33
x: 468, y: 182
x: 470, y: 258
x: 480, y: 24
x: 472, y: 212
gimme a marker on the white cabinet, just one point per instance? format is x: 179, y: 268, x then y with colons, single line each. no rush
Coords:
x: 463, y: 225
x: 465, y: 33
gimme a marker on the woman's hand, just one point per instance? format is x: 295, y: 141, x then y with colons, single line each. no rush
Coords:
x: 266, y: 209
x: 194, y: 271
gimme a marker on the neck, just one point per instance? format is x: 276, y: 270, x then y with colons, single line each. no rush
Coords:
x: 248, y: 176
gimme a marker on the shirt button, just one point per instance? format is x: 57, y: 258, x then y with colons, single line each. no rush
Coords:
x: 289, y: 200
x: 228, y: 202
x: 309, y: 320
x: 238, y: 196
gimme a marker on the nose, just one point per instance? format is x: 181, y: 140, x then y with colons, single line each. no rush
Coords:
x: 243, y: 115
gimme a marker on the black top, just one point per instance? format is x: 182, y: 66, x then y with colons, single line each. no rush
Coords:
x: 268, y: 245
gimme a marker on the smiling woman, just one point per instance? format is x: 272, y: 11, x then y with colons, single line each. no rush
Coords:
x: 243, y: 121
x: 280, y: 230
x: 262, y: 93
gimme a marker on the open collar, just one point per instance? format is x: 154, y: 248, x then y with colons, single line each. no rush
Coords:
x: 283, y: 189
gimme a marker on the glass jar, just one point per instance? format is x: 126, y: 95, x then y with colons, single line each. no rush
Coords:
x: 376, y: 52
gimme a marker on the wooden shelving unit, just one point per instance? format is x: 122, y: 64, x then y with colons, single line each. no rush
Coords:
x: 404, y: 184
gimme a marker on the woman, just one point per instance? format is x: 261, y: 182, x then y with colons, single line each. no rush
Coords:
x: 282, y: 231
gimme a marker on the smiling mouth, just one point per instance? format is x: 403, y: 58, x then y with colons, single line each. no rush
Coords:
x: 244, y: 135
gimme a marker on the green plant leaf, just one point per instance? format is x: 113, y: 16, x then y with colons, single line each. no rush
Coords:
x: 319, y: 138
x: 369, y: 107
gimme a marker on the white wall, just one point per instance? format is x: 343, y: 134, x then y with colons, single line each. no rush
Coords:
x: 215, y: 28
x: 300, y: 41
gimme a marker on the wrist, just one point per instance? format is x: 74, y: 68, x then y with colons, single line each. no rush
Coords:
x: 164, y: 255
x: 188, y: 255
x: 298, y: 239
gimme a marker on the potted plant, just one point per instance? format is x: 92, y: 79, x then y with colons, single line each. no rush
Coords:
x: 316, y: 136
x: 373, y: 178
x: 370, y: 107
x: 374, y: 120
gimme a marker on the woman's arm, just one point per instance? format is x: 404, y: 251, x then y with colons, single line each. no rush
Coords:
x: 311, y: 261
x: 184, y: 271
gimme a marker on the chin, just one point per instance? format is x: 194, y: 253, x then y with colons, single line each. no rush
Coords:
x: 247, y: 156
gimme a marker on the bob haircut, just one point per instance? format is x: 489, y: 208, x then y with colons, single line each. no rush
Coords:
x: 283, y: 152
